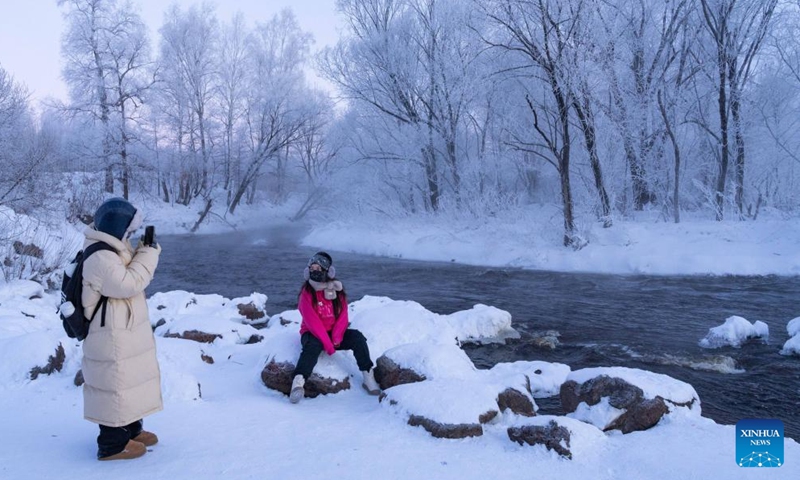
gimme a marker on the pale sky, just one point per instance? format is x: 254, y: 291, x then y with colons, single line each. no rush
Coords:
x: 30, y: 33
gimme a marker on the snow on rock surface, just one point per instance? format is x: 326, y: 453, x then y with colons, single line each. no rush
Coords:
x: 203, y: 318
x: 792, y: 346
x: 734, y: 332
x: 624, y: 399
x: 652, y: 384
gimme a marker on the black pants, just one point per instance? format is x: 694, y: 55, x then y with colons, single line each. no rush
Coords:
x: 312, y: 347
x: 112, y: 440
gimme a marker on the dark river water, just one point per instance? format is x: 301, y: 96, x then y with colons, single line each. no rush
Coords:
x: 653, y: 323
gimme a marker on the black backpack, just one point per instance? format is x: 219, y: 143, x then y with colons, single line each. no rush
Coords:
x: 71, y: 310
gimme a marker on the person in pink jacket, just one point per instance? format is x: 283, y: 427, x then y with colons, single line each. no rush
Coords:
x: 323, y: 306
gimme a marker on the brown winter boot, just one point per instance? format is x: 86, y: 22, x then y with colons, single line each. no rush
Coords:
x: 132, y: 450
x: 147, y: 438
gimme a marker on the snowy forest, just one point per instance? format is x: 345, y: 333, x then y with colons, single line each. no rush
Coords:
x: 437, y: 107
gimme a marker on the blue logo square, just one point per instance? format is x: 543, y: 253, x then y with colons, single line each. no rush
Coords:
x: 759, y: 443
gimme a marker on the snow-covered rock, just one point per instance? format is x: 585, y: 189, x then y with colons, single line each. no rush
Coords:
x: 622, y: 398
x: 204, y: 318
x: 734, y: 332
x: 389, y: 323
x: 793, y: 327
x: 482, y: 324
x: 566, y: 436
x: 792, y: 346
x: 278, y: 376
x: 428, y: 360
x: 545, y: 378
x: 32, y: 339
x: 446, y: 408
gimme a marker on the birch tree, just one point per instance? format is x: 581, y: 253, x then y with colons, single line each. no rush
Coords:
x: 232, y: 84
x: 106, y: 53
x: 130, y: 76
x: 15, y: 138
x: 188, y: 63
x: 276, y: 103
x: 541, y: 32
x: 379, y: 65
x: 737, y: 29
x: 89, y: 23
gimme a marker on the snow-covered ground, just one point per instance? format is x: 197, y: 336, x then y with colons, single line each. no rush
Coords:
x: 220, y: 421
x: 532, y: 239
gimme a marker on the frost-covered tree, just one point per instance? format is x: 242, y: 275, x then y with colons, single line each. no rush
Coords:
x: 418, y: 66
x: 130, y: 78
x: 541, y: 35
x: 737, y: 29
x: 106, y: 53
x: 637, y: 45
x: 188, y: 73
x: 379, y: 65
x: 14, y: 128
x: 277, y: 102
x: 232, y: 83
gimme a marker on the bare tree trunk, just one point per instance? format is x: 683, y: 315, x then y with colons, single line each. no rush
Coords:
x: 589, y: 135
x: 431, y: 176
x: 202, y: 215
x: 676, y: 151
x: 123, y: 155
x: 563, y: 167
x: 452, y: 159
x: 739, y: 161
x: 640, y: 189
x: 165, y: 190
x: 102, y: 97
x: 722, y: 101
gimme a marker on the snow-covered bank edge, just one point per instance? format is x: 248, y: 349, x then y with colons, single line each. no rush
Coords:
x: 766, y: 247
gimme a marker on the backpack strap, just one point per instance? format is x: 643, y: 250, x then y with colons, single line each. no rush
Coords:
x: 96, y: 247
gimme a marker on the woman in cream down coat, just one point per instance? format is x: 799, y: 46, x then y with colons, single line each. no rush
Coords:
x: 122, y: 377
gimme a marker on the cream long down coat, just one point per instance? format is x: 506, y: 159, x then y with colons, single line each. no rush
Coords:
x: 122, y: 378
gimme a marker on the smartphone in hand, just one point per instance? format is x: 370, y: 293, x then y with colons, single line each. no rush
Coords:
x: 149, y: 236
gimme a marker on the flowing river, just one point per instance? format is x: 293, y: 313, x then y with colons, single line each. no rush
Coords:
x: 582, y: 320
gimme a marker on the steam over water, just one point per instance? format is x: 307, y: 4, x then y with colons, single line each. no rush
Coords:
x: 582, y: 320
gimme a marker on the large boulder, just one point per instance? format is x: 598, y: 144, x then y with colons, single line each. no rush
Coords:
x: 624, y: 399
x: 518, y: 402
x: 445, y: 408
x: 278, y: 376
x: 566, y: 436
x: 544, y: 378
x: 445, y: 430
x: 553, y: 436
x: 418, y: 361
x: 377, y: 318
x: 389, y: 374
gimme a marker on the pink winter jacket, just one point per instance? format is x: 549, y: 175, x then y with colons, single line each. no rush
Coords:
x: 319, y: 319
